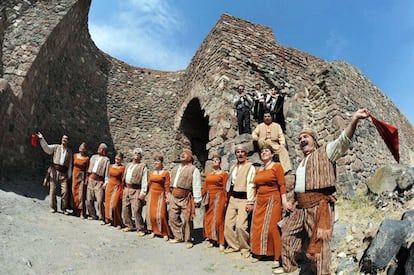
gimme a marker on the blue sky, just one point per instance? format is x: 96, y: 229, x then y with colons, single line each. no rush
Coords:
x: 376, y: 36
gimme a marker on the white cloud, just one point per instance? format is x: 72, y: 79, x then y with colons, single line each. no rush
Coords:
x: 141, y: 32
x: 336, y: 45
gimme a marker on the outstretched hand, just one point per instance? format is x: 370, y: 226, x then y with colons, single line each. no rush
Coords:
x: 362, y: 114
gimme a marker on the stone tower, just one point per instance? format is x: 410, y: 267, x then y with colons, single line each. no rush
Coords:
x: 54, y: 79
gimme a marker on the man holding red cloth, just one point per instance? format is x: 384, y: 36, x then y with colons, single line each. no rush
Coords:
x: 314, y: 188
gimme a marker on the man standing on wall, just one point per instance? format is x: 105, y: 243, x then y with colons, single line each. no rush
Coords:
x: 243, y: 103
x: 135, y: 190
x: 275, y: 101
x: 185, y: 196
x: 59, y: 172
x: 98, y: 177
x: 240, y: 187
x: 259, y: 103
x: 314, y: 188
x: 270, y: 134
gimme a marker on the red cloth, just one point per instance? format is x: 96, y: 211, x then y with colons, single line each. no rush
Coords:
x: 389, y: 134
x: 34, y: 140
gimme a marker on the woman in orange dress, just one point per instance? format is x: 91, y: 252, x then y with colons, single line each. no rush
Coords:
x: 215, y: 197
x: 80, y: 166
x: 270, y: 195
x: 159, y: 187
x: 113, y: 193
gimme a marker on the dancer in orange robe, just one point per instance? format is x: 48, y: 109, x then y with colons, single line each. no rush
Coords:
x: 113, y: 193
x: 159, y: 186
x: 80, y: 166
x: 215, y: 197
x: 270, y: 195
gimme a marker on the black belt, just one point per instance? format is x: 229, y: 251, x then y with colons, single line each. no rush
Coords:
x: 133, y: 186
x: 239, y: 195
x: 61, y: 168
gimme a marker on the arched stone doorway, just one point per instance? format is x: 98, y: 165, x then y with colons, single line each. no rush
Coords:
x: 194, y: 125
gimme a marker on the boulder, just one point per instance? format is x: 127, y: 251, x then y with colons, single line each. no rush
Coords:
x: 409, y: 264
x: 385, y: 245
x: 406, y: 179
x: 385, y: 178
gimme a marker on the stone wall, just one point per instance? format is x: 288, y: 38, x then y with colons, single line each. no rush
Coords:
x: 59, y: 82
x: 56, y: 82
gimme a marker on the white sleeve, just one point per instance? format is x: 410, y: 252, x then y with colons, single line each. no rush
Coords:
x: 106, y: 173
x: 144, y: 181
x: 250, y: 185
x: 48, y: 149
x: 197, y: 186
x: 338, y: 147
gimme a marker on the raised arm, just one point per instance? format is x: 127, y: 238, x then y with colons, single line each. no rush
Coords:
x: 360, y: 114
x: 48, y: 149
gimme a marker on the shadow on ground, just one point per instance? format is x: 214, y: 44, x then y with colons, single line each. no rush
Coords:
x: 28, y: 186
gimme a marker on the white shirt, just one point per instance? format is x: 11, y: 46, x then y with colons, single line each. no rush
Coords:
x: 334, y: 149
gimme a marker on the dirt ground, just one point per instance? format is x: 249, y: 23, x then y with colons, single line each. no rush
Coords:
x: 34, y: 241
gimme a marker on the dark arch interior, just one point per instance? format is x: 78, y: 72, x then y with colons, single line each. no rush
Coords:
x: 194, y: 126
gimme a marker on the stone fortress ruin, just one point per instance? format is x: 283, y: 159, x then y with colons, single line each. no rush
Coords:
x: 54, y: 79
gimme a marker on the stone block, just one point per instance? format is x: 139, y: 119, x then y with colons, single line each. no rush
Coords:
x: 385, y: 179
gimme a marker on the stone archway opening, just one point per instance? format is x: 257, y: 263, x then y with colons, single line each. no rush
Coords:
x: 194, y: 125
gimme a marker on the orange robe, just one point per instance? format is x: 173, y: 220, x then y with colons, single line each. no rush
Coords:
x: 264, y: 234
x: 113, y: 196
x: 215, y: 189
x: 80, y: 166
x: 159, y: 186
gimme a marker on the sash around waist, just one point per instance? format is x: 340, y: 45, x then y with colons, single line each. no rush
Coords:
x: 61, y: 168
x: 96, y: 177
x: 180, y: 193
x: 133, y: 186
x: 311, y: 199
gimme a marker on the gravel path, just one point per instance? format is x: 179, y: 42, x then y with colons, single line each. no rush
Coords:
x: 34, y: 241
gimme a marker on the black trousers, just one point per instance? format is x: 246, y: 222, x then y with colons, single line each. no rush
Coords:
x: 243, y: 121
